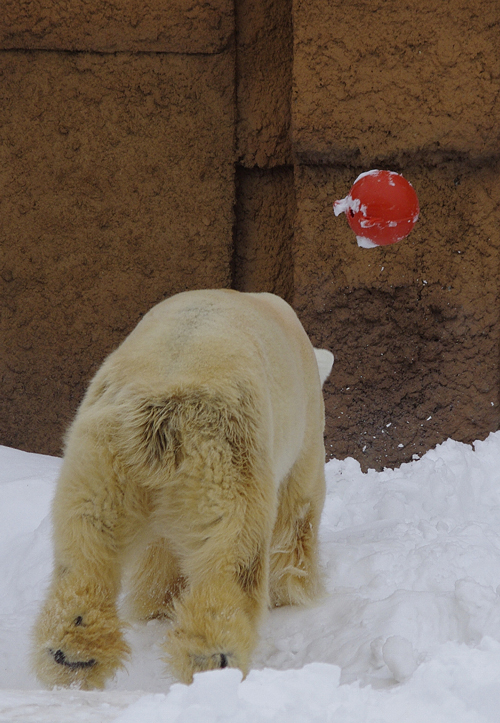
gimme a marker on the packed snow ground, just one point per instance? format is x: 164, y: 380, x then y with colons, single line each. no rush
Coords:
x: 409, y: 630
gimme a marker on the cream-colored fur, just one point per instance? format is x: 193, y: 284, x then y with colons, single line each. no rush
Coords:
x: 196, y: 461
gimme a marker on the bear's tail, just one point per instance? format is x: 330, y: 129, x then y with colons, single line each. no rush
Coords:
x: 162, y: 433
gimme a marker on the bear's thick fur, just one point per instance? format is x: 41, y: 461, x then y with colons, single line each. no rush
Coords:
x: 196, y: 461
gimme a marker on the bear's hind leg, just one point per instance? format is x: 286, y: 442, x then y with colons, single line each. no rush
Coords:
x: 215, y: 627
x: 224, y: 557
x: 78, y: 637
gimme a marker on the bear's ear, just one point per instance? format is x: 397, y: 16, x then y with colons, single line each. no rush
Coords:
x: 325, y: 363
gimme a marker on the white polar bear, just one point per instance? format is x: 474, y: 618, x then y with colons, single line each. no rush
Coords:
x: 196, y: 461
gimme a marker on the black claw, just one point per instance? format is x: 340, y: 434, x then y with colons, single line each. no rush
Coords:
x: 223, y: 661
x: 60, y: 658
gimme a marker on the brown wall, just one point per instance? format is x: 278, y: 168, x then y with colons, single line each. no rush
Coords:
x: 198, y: 145
x: 413, y: 87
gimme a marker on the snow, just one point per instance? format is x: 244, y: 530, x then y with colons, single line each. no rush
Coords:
x: 408, y: 630
x: 366, y: 243
x: 347, y: 204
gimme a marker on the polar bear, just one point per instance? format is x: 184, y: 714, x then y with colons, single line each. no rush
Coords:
x: 195, y: 462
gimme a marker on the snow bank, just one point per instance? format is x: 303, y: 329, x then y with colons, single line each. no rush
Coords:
x: 409, y: 629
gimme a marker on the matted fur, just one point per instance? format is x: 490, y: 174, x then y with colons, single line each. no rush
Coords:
x: 194, y: 471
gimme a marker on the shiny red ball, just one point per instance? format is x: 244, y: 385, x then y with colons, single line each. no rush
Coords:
x: 381, y: 208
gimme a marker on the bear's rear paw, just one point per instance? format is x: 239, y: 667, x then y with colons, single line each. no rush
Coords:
x: 82, y: 650
x: 216, y: 661
x: 187, y: 656
x: 207, y: 638
x: 60, y: 658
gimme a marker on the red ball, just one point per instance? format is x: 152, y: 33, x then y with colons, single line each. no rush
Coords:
x: 381, y: 208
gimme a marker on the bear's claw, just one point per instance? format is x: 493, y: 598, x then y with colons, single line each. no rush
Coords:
x: 223, y: 661
x: 60, y: 658
x: 211, y: 662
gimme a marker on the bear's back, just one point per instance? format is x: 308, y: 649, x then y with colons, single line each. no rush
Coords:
x: 226, y: 342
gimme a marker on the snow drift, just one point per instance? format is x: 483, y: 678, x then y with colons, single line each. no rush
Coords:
x: 410, y: 628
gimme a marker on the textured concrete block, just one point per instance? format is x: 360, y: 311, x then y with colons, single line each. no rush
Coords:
x: 263, y: 245
x: 264, y: 82
x: 179, y: 26
x: 385, y: 81
x: 116, y: 190
x: 414, y: 327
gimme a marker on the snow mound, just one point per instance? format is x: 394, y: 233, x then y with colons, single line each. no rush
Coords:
x: 409, y: 630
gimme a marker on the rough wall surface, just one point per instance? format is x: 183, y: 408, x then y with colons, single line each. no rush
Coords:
x: 413, y: 327
x: 109, y: 202
x: 265, y: 194
x: 197, y: 143
x: 263, y: 244
x: 264, y: 82
x: 178, y: 26
x: 387, y: 81
x: 415, y: 88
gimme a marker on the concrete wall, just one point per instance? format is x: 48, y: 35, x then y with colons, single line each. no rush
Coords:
x: 192, y: 145
x: 414, y: 88
x: 117, y: 186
